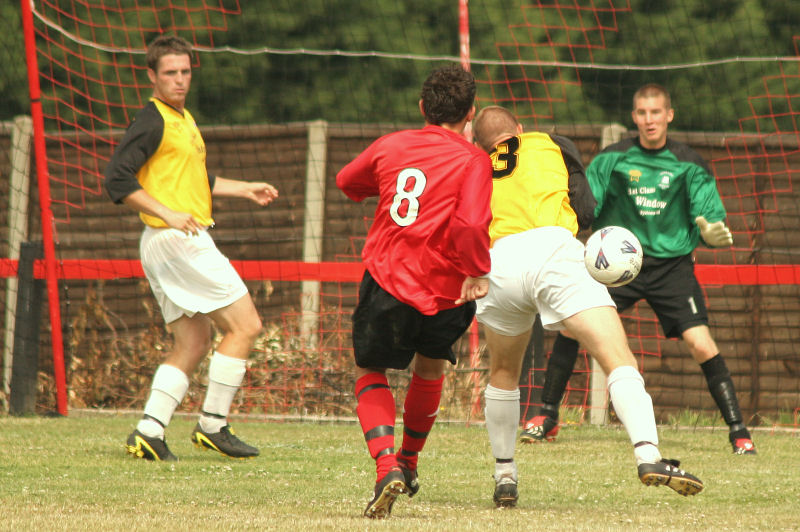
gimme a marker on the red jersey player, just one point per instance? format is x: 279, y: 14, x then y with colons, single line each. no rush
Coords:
x: 425, y: 256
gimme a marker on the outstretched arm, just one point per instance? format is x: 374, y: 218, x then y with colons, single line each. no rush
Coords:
x: 716, y: 235
x: 257, y: 192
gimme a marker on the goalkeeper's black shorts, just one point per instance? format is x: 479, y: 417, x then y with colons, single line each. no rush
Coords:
x: 671, y: 289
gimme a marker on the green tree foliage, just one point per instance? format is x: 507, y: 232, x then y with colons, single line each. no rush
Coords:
x: 284, y: 87
x: 14, y: 99
x: 688, y: 37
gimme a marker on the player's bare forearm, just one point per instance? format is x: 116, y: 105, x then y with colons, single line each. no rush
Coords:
x: 257, y: 192
x: 473, y: 288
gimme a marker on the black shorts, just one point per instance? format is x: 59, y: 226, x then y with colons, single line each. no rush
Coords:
x: 387, y: 332
x: 671, y: 289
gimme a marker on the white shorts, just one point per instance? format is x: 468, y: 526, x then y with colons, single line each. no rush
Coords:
x: 187, y: 273
x: 540, y: 270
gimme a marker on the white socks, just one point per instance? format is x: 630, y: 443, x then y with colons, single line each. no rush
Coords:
x: 502, y: 420
x: 225, y: 375
x: 505, y: 469
x: 170, y: 384
x: 634, y: 408
x: 167, y: 391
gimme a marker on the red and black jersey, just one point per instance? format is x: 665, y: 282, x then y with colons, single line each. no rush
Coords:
x: 431, y: 223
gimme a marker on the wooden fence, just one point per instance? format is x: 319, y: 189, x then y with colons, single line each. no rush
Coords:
x: 756, y: 327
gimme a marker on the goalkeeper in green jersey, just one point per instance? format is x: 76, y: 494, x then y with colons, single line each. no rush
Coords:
x: 662, y: 191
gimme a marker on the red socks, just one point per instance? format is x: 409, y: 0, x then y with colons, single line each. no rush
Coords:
x: 376, y: 413
x: 419, y: 414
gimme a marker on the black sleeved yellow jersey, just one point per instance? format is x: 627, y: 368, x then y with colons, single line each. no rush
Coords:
x: 163, y: 153
x: 538, y: 181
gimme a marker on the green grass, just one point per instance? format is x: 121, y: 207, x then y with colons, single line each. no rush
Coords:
x: 73, y: 474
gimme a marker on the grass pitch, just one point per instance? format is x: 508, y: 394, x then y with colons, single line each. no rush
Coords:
x: 74, y: 474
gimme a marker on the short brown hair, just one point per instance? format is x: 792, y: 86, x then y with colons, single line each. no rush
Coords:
x: 650, y: 90
x: 165, y: 45
x: 447, y: 95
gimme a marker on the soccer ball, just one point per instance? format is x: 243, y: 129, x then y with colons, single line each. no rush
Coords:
x: 613, y: 256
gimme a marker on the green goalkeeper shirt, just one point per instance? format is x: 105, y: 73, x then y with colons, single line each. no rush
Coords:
x: 656, y: 194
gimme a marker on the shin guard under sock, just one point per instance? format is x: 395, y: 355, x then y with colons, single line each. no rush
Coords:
x: 721, y: 387
x: 559, y: 370
x: 419, y: 414
x: 376, y: 413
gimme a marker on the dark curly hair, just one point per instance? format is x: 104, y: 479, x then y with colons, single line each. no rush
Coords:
x: 447, y: 95
x: 165, y: 45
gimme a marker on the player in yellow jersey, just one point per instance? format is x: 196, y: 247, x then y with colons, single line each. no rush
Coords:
x: 159, y: 170
x: 540, y: 197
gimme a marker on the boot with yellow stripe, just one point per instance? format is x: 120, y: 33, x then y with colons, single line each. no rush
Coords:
x: 224, y: 442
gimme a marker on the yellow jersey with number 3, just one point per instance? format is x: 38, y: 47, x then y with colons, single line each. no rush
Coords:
x: 530, y: 186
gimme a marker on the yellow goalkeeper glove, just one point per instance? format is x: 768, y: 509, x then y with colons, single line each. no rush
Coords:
x: 716, y: 235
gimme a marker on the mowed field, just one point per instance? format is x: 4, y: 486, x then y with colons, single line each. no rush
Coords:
x: 73, y: 474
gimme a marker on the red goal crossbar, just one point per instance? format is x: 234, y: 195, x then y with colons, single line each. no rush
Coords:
x: 253, y: 270
x: 351, y: 272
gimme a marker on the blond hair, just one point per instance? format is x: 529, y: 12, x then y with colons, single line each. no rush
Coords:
x: 491, y: 123
x: 652, y: 90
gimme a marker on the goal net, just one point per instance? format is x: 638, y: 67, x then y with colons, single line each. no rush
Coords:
x: 289, y: 92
